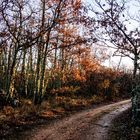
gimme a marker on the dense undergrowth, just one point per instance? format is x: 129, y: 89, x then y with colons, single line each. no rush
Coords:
x: 75, y: 93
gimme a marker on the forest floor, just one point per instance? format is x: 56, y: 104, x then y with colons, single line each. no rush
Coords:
x: 121, y: 128
x: 87, y: 124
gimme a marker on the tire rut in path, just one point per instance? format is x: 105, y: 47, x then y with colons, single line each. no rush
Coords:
x: 101, y: 130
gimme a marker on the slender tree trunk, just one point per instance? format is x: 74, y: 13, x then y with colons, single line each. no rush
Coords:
x: 37, y: 76
x: 43, y: 67
x: 135, y: 66
x: 55, y: 55
x: 41, y: 44
x: 23, y: 82
x: 30, y: 87
x: 9, y: 80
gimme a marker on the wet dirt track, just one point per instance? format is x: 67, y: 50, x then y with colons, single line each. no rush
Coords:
x: 91, y: 124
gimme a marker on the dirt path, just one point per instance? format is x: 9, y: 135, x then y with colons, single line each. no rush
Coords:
x: 87, y: 125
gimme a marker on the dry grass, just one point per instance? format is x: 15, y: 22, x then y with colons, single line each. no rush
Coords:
x: 51, y: 108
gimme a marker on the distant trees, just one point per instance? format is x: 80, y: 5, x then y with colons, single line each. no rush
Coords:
x: 45, y: 48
